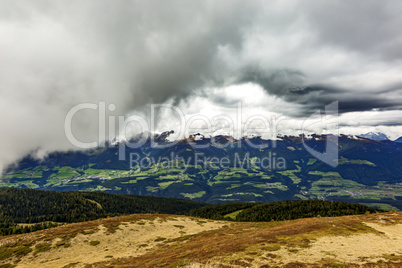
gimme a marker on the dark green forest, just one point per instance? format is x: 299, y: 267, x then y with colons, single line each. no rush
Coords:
x: 27, y: 210
x: 279, y: 211
x: 36, y: 206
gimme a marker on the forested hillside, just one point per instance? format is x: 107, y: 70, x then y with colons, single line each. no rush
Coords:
x: 279, y: 211
x: 36, y: 206
x: 26, y: 210
x: 368, y: 172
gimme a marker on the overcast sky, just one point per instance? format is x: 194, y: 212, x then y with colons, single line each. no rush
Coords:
x: 278, y: 58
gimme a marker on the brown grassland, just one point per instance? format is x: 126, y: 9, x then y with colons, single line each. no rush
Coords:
x: 145, y: 240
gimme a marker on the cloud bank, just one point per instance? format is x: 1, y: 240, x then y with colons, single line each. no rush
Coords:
x: 297, y: 56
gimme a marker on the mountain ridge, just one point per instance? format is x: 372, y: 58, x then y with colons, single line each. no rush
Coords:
x: 375, y: 136
x: 368, y: 171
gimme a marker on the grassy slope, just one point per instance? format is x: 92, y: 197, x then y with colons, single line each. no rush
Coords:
x: 171, y: 241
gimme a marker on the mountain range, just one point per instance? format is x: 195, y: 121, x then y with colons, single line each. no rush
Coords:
x: 368, y: 172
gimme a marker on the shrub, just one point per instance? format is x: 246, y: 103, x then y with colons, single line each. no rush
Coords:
x: 42, y: 247
x: 94, y: 243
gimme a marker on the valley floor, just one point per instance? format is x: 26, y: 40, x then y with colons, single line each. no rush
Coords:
x: 146, y: 240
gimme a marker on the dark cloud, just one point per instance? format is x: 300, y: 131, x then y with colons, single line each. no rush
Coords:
x: 55, y: 55
x: 366, y: 27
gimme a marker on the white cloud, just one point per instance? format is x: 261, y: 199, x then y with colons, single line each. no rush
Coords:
x: 199, y: 56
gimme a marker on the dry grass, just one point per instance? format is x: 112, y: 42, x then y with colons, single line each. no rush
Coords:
x: 243, y: 244
x: 176, y: 241
x: 84, y: 243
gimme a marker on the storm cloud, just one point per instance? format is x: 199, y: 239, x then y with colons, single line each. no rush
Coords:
x: 303, y: 54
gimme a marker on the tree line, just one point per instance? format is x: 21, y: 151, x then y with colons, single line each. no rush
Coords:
x: 37, y: 206
x: 39, y: 209
x: 279, y: 211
